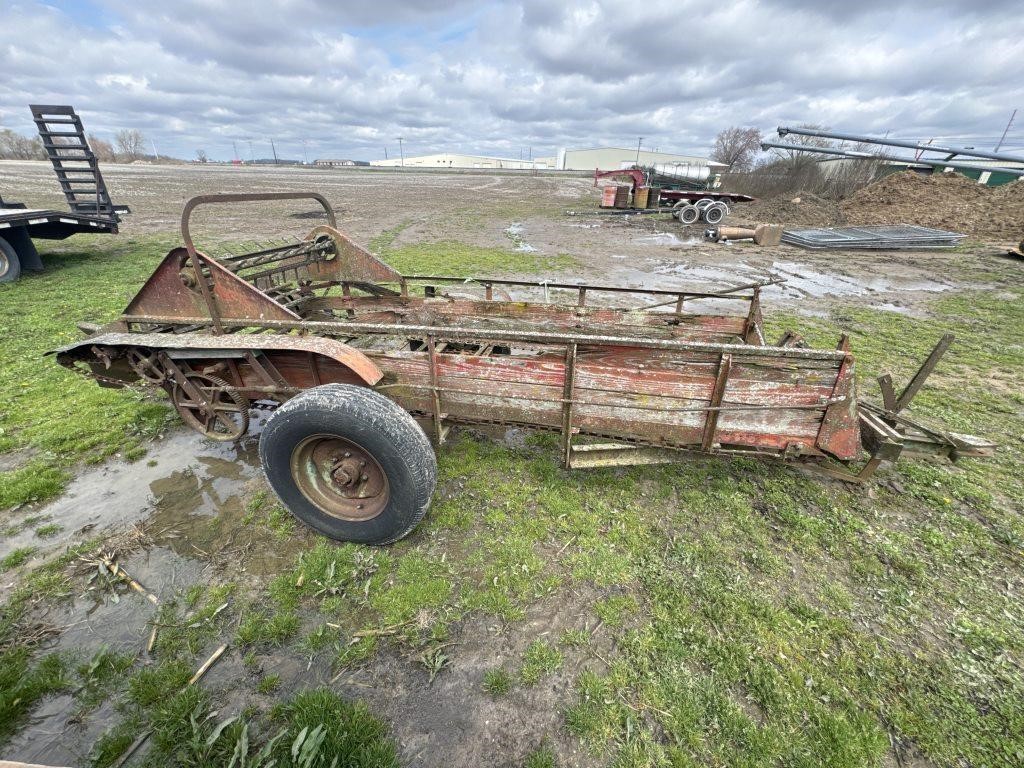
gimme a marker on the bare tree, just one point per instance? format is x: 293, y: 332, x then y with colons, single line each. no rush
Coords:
x: 130, y: 143
x: 103, y: 150
x: 201, y: 156
x: 737, y: 147
x: 799, y: 158
x: 14, y: 146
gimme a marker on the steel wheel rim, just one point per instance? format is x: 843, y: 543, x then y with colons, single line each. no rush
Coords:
x: 5, y: 264
x: 229, y: 417
x: 329, y: 470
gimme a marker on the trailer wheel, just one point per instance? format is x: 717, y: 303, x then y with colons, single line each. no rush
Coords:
x: 714, y: 213
x: 688, y: 214
x: 10, y: 264
x: 349, y: 463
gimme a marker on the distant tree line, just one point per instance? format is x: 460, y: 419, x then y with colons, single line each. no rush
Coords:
x: 129, y: 145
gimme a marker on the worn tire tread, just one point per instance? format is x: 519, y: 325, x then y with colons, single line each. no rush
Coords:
x: 381, y: 415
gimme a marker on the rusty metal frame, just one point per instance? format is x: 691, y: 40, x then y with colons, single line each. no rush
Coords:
x: 351, y: 329
x: 196, y: 259
x: 562, y: 364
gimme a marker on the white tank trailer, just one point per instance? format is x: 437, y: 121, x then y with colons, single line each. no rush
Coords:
x: 686, y: 173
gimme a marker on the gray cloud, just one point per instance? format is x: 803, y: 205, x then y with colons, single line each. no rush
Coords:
x: 508, y: 75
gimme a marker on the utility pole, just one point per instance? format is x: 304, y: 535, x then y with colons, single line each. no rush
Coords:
x: 638, y: 140
x: 234, y: 146
x: 252, y: 157
x: 274, y: 150
x: 1005, y: 131
x: 401, y: 151
x: 305, y: 155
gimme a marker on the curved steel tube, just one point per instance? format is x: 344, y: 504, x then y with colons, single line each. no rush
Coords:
x: 195, y: 202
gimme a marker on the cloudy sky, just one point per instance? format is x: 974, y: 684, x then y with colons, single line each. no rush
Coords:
x: 348, y: 78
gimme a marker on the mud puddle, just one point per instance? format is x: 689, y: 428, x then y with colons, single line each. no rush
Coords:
x: 59, y: 731
x: 669, y: 239
x: 182, y: 481
x: 801, y: 280
x: 514, y: 232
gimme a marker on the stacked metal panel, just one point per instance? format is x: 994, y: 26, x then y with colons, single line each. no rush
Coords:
x: 889, y: 237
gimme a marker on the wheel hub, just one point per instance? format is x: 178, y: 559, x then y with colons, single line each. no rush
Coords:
x: 340, y: 477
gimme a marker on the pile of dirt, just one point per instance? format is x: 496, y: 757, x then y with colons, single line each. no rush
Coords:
x: 802, y: 209
x: 943, y: 200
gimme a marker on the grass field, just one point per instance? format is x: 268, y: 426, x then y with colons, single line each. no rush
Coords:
x: 736, y: 612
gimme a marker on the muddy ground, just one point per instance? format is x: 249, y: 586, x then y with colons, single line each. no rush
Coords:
x: 546, y: 215
x: 176, y: 515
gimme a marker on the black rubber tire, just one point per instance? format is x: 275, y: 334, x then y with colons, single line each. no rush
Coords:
x: 10, y: 264
x: 688, y: 214
x: 381, y: 427
x: 714, y: 213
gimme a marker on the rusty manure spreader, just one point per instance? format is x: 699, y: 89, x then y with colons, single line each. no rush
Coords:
x: 360, y: 364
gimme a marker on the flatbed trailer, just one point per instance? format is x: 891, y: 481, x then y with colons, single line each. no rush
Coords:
x: 78, y: 172
x: 360, y: 363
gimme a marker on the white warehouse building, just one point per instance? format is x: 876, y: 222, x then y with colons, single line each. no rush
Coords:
x: 612, y: 158
x: 568, y: 159
x: 455, y: 160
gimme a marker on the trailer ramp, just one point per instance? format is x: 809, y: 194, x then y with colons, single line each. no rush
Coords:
x: 74, y: 162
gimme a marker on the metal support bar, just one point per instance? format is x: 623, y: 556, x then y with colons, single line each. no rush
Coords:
x: 717, y: 393
x: 204, y: 288
x: 435, y: 392
x: 567, y: 395
x: 268, y: 371
x: 492, y: 335
x: 765, y: 145
x: 923, y: 372
x: 888, y: 393
x: 861, y: 139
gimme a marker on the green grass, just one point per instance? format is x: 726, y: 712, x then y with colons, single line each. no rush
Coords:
x: 311, y: 729
x: 737, y: 612
x: 23, y: 682
x: 450, y: 257
x: 48, y: 531
x: 575, y: 638
x: 542, y: 757
x: 351, y: 733
x: 184, y: 630
x: 541, y: 659
x: 16, y: 558
x: 269, y: 684
x: 268, y: 628
x: 59, y: 418
x: 100, y: 675
x: 497, y: 682
x: 458, y: 259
